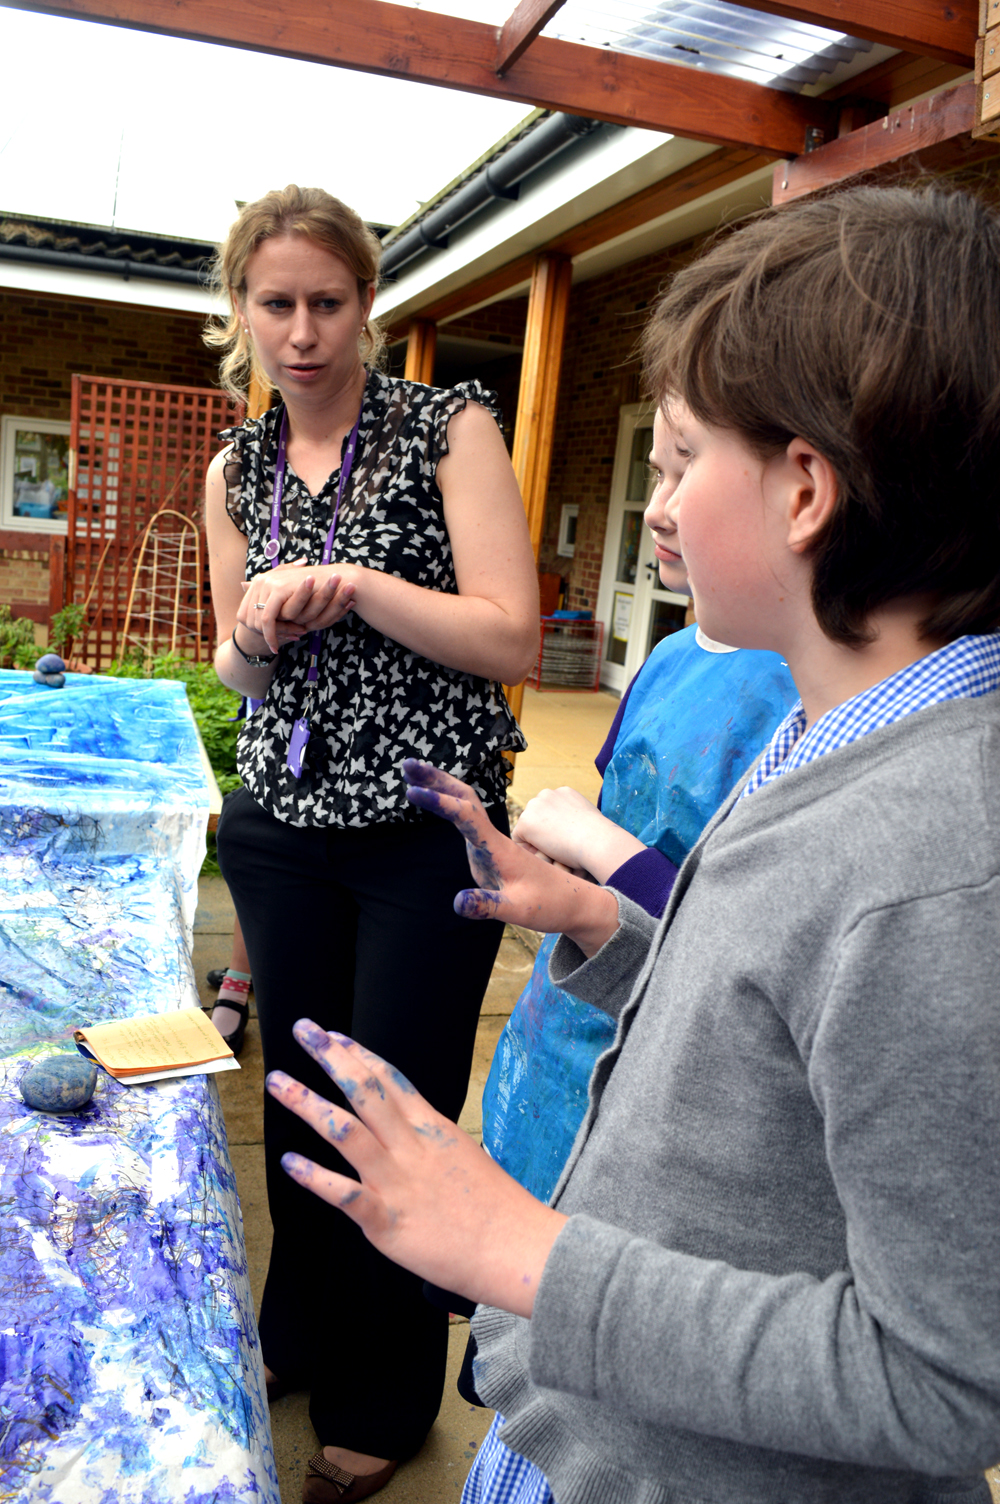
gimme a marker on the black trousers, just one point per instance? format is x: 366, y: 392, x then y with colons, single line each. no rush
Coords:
x: 355, y: 929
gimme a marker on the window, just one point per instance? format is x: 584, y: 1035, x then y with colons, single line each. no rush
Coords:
x: 34, y: 474
x: 567, y: 529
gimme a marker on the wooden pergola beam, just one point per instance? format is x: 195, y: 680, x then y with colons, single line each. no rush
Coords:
x: 933, y: 134
x: 521, y: 28
x: 719, y: 168
x: 374, y: 36
x: 945, y: 29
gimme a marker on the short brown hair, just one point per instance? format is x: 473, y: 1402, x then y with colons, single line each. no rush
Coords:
x: 288, y: 211
x: 865, y: 323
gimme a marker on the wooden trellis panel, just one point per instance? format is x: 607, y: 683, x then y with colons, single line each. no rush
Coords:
x: 139, y: 453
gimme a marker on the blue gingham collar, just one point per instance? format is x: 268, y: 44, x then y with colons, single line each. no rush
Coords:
x: 963, y: 670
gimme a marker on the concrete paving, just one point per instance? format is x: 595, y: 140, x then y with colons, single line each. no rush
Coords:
x: 437, y: 1474
x: 565, y: 732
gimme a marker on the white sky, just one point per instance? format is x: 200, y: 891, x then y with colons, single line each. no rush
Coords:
x: 197, y: 127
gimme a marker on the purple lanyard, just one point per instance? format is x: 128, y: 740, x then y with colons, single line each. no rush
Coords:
x: 300, y: 730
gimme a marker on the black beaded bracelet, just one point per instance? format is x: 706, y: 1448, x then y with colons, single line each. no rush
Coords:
x: 255, y: 660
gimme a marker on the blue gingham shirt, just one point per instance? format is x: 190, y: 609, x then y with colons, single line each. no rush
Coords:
x: 500, y: 1476
x: 963, y: 670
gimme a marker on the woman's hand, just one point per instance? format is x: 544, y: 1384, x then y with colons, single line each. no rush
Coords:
x: 514, y: 886
x: 560, y: 825
x: 429, y: 1198
x: 284, y: 603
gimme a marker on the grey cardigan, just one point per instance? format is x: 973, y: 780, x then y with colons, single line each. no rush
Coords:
x: 780, y: 1280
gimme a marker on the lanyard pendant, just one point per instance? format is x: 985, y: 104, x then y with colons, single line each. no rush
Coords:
x: 297, y: 743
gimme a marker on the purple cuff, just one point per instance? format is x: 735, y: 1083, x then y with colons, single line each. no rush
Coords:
x: 647, y: 879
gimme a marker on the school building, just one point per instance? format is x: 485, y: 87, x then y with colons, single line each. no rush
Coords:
x: 532, y: 272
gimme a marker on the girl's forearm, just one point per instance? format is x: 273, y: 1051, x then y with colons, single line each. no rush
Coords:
x: 467, y: 632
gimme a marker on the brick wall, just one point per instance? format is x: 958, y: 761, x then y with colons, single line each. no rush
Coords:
x: 600, y: 373
x: 43, y: 340
x: 504, y: 322
x: 24, y: 580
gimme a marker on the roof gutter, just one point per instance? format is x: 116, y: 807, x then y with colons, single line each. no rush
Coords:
x: 75, y: 261
x: 501, y: 179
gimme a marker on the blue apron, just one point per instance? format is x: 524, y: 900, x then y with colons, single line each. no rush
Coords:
x: 695, y: 721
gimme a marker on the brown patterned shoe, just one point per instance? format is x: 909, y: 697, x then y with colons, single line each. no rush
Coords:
x: 326, y: 1483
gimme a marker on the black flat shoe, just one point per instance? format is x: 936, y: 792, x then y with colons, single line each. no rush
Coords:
x: 215, y: 978
x: 235, y: 1039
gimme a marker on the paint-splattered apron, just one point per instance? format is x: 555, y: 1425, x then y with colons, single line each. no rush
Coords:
x: 695, y: 721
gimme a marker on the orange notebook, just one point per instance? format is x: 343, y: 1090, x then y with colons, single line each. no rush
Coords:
x: 163, y: 1042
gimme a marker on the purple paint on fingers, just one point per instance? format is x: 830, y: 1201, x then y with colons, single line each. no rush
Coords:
x: 336, y: 1133
x: 298, y: 1168
x: 429, y: 800
x: 309, y: 1034
x: 417, y: 771
x: 482, y: 864
x: 401, y: 1081
x: 477, y: 903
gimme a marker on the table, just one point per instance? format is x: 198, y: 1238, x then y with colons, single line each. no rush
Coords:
x: 130, y: 1368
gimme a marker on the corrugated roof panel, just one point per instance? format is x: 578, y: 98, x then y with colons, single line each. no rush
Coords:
x: 712, y: 35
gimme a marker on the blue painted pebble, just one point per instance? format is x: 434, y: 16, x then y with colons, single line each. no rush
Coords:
x: 50, y: 670
x: 63, y: 1083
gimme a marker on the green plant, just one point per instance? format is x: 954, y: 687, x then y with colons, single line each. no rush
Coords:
x: 214, y: 708
x: 64, y: 626
x: 17, y: 640
x: 26, y: 654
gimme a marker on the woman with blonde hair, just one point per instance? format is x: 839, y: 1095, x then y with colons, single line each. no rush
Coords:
x: 374, y: 585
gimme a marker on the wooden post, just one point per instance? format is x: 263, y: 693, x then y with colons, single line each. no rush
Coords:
x: 421, y: 345
x: 548, y: 306
x: 57, y: 573
x: 259, y: 397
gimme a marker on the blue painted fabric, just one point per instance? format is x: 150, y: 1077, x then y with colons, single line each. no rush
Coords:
x: 695, y: 721
x: 130, y: 1369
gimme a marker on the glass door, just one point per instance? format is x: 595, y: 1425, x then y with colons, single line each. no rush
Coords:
x: 636, y: 610
x: 621, y: 574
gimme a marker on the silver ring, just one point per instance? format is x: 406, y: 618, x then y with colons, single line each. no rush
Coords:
x: 258, y: 605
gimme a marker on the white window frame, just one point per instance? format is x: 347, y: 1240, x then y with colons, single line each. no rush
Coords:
x: 570, y: 512
x: 11, y: 425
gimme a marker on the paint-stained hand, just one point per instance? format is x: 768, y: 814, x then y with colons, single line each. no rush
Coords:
x: 429, y: 1198
x: 513, y: 885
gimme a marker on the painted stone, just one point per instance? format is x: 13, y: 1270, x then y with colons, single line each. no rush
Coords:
x: 50, y: 663
x: 54, y: 681
x: 60, y: 1084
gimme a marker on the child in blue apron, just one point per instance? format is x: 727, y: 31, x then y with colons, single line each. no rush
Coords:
x: 693, y: 720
